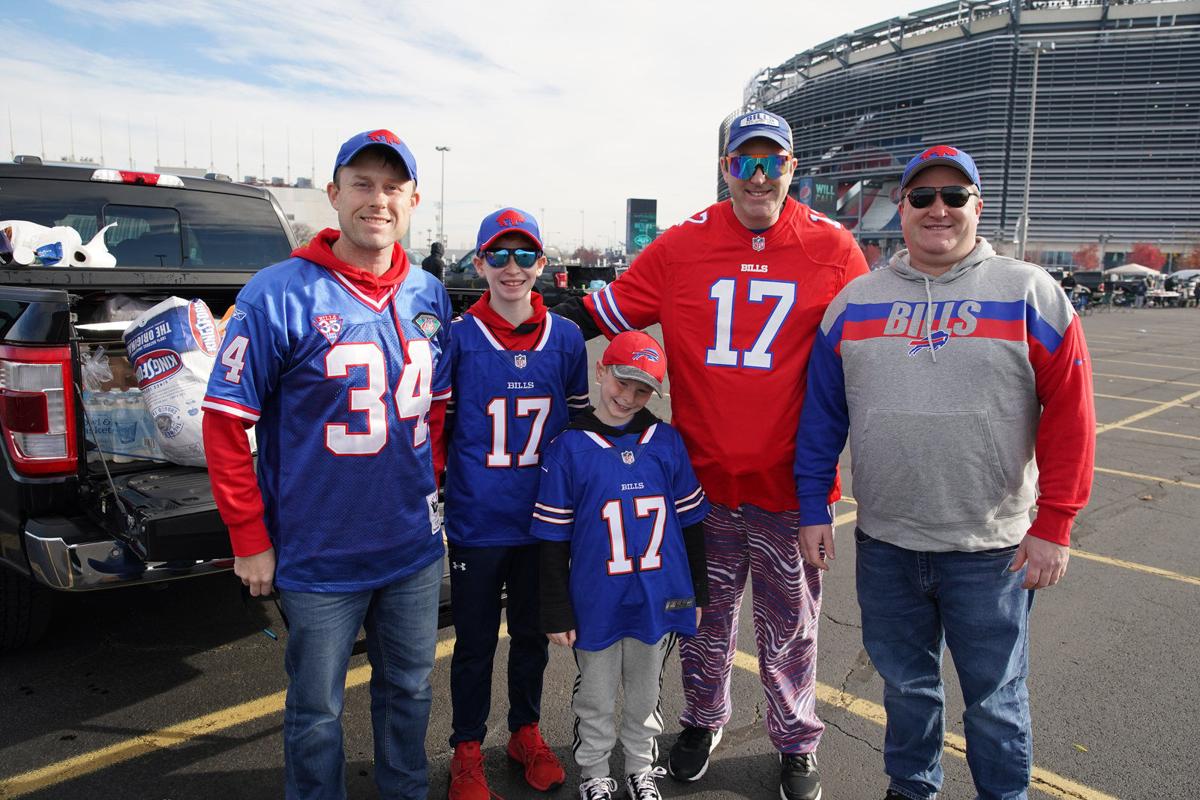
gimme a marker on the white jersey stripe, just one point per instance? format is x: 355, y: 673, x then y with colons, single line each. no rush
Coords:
x: 612, y: 301
x: 378, y: 305
x: 597, y: 438
x: 553, y: 509
x: 229, y: 409
x: 648, y: 434
x: 598, y: 301
x: 545, y: 333
x: 553, y: 521
x: 486, y: 333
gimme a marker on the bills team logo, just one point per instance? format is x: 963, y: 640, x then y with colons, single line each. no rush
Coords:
x: 939, y: 151
x: 645, y: 353
x: 509, y: 219
x: 384, y: 136
x: 520, y: 359
x: 329, y: 326
x: 627, y: 456
x: 759, y: 243
x: 428, y: 324
x: 937, y: 340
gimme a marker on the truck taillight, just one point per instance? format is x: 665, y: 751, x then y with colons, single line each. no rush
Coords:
x: 37, y: 410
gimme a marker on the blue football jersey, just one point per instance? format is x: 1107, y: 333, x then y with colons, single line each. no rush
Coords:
x: 506, y: 406
x: 339, y: 386
x: 622, y: 503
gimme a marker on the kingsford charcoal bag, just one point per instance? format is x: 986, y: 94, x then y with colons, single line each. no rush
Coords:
x: 172, y: 348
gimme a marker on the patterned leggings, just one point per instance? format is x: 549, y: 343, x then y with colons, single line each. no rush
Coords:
x: 787, y: 607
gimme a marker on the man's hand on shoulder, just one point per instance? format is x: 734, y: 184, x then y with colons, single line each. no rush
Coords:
x: 816, y: 545
x: 256, y: 571
x: 1046, y: 562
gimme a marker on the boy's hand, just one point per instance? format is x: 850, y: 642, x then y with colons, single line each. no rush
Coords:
x: 563, y: 639
x: 816, y: 545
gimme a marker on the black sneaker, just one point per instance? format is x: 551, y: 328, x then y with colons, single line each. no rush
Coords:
x: 688, y: 760
x: 798, y: 776
x: 641, y: 785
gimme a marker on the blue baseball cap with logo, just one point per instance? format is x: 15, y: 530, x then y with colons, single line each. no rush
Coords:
x: 941, y: 154
x: 382, y: 137
x: 758, y: 124
x: 507, y: 220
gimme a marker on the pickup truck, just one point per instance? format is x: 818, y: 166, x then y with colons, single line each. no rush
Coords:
x: 70, y: 519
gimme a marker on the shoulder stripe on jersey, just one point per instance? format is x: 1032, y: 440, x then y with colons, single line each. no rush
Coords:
x: 604, y: 301
x: 612, y: 300
x: 693, y: 500
x: 597, y: 438
x: 486, y: 333
x: 378, y: 305
x: 545, y: 333
x: 553, y: 521
x: 552, y: 509
x: 578, y: 401
x: 230, y: 408
x: 699, y: 491
x: 443, y: 395
x: 684, y: 509
x: 648, y: 434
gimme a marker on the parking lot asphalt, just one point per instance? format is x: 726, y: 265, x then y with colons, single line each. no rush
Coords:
x: 176, y: 691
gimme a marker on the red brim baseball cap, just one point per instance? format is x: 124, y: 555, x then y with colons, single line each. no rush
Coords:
x: 637, y: 356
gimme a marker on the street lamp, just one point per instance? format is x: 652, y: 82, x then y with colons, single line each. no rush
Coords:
x: 1037, y: 49
x: 442, y: 202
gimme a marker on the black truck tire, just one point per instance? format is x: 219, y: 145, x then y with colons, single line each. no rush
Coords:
x: 25, y: 609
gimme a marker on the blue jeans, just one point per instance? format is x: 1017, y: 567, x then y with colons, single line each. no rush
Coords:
x: 401, y: 624
x: 913, y: 604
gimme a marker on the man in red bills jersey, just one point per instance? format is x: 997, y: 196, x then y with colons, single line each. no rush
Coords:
x: 739, y: 290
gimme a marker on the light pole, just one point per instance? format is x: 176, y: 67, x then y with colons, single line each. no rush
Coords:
x: 1037, y: 49
x: 1105, y: 238
x: 442, y: 202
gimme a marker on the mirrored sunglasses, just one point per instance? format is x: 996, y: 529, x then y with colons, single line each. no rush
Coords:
x: 499, y: 258
x: 744, y: 167
x: 953, y: 196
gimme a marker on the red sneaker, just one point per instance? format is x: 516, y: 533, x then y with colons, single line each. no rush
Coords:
x: 467, y: 781
x: 542, y: 770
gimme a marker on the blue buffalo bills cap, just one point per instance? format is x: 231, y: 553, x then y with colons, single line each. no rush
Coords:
x: 941, y: 154
x: 507, y: 220
x: 758, y: 124
x: 378, y: 138
x: 636, y: 356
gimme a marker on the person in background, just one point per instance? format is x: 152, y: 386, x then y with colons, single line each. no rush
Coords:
x: 433, y: 263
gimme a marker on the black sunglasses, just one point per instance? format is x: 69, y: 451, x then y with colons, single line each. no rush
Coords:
x: 953, y: 196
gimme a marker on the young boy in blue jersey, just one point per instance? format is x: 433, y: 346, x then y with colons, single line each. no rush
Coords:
x: 623, y: 570
x: 518, y: 374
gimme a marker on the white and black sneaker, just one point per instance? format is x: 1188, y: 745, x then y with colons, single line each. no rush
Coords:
x: 688, y: 759
x: 598, y: 789
x: 641, y: 785
x: 798, y: 776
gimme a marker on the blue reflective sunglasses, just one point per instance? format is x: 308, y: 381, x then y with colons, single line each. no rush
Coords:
x: 499, y: 258
x: 744, y: 167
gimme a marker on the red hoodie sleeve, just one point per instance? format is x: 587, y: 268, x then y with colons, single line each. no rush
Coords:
x: 1066, y: 439
x: 234, y: 485
x: 437, y: 436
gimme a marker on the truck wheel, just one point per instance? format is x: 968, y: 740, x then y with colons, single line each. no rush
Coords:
x: 24, y: 610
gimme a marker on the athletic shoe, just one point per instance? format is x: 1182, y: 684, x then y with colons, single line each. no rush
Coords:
x: 467, y: 781
x: 542, y: 770
x: 597, y: 789
x: 641, y: 785
x: 688, y: 760
x: 798, y: 776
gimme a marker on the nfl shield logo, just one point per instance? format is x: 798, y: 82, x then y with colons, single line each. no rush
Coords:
x: 627, y: 456
x: 759, y: 243
x: 428, y: 323
x: 329, y: 326
x: 520, y: 360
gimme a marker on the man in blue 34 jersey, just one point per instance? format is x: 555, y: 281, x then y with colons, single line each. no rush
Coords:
x: 336, y: 356
x: 518, y: 374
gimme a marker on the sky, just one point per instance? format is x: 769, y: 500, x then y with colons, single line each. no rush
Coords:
x: 561, y: 108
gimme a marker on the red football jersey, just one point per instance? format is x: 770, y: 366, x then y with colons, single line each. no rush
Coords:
x: 739, y: 312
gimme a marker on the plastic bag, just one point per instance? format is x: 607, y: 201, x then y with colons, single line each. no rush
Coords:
x: 96, y: 369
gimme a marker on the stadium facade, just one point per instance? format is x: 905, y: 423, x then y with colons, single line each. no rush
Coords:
x: 1116, y: 135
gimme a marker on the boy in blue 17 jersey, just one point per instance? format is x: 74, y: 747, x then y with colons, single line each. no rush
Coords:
x: 518, y: 373
x: 623, y: 567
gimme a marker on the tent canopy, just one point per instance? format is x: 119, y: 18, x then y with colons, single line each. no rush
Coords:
x: 1133, y: 270
x: 1185, y: 274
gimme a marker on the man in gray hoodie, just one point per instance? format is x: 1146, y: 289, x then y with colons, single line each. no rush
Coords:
x: 963, y: 382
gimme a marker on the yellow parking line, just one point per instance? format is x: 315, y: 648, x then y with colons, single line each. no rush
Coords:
x: 1145, y: 364
x: 1149, y: 570
x: 1161, y: 433
x: 206, y: 725
x: 1149, y: 355
x: 1187, y: 398
x: 1151, y: 478
x: 1146, y: 380
x: 1043, y: 780
x: 1124, y: 398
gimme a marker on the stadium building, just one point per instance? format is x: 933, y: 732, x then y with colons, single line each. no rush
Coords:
x: 1116, y: 119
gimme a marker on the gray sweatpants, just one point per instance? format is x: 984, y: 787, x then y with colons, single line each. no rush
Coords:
x: 637, y: 668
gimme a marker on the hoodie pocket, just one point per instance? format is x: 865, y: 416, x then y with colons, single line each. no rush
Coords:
x: 935, y: 467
